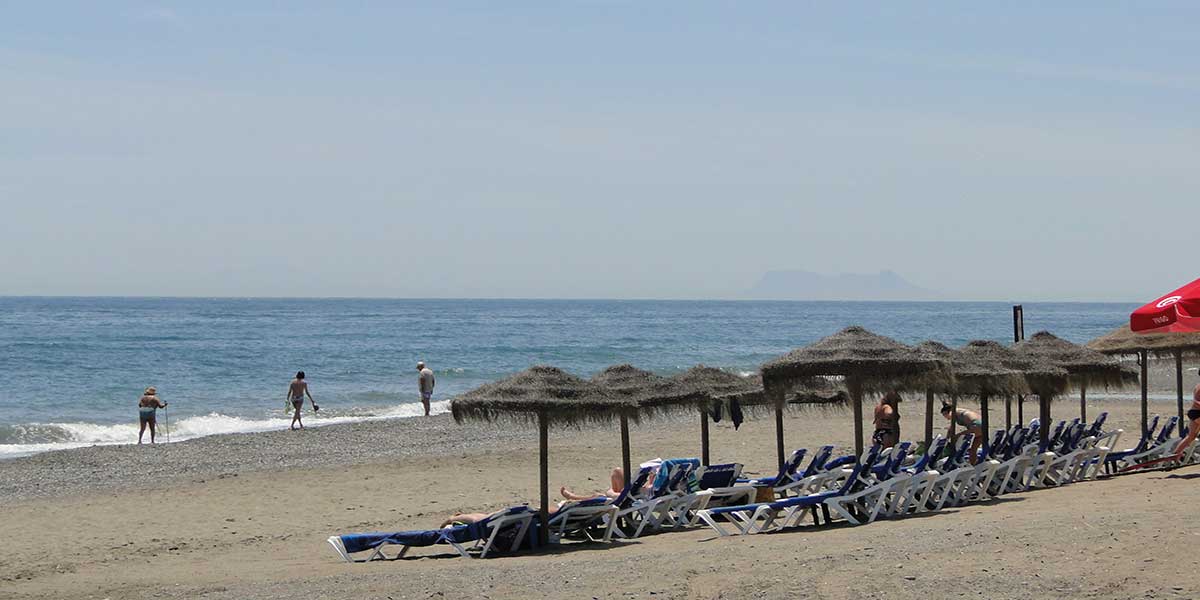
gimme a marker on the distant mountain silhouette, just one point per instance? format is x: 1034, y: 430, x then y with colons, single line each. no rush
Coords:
x: 806, y: 285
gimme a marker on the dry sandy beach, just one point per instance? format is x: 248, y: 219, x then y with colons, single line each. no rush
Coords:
x: 246, y: 516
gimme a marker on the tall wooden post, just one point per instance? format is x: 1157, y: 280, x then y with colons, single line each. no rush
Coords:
x: 928, y: 418
x: 544, y: 476
x: 779, y: 434
x: 1179, y: 388
x: 704, y: 438
x: 1018, y: 335
x: 1018, y: 322
x: 856, y: 398
x: 1145, y: 390
x: 625, y: 449
x: 1083, y: 402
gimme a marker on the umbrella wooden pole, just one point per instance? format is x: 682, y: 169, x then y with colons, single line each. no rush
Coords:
x: 1044, y: 418
x: 625, y: 449
x: 856, y: 397
x: 704, y: 438
x: 779, y: 435
x: 1021, y: 409
x: 1179, y: 388
x: 953, y: 418
x: 1007, y: 413
x: 983, y: 408
x: 1083, y: 403
x: 1145, y: 391
x: 928, y: 418
x: 544, y: 476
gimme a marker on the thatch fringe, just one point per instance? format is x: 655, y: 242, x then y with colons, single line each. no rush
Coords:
x: 562, y: 398
x: 1038, y: 374
x: 875, y: 362
x: 974, y: 373
x: 1084, y: 366
x: 1123, y: 340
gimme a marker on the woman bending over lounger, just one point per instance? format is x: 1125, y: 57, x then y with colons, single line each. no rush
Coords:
x: 1193, y: 415
x: 970, y: 421
x: 616, y: 484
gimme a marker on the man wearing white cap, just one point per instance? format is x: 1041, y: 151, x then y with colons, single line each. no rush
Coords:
x: 425, y: 382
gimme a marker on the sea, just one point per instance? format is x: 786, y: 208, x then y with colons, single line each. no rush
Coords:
x: 72, y: 369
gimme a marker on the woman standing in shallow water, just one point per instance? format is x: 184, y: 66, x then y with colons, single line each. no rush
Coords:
x: 297, y: 390
x: 147, y: 406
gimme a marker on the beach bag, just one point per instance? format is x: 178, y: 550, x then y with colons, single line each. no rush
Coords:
x: 764, y: 493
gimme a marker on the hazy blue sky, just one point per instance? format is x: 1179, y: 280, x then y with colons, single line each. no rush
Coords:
x: 596, y: 149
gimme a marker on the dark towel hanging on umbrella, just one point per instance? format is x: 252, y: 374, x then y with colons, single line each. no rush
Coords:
x: 714, y: 411
x: 735, y: 413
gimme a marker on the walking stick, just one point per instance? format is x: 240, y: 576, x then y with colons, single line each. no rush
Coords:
x: 167, y: 424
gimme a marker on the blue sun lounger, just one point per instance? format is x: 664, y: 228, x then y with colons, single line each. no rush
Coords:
x: 786, y: 472
x: 757, y: 518
x: 501, y: 531
x: 1114, y: 461
x: 594, y: 518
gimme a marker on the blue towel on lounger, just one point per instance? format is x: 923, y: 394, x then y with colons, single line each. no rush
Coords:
x: 668, y: 466
x: 357, y: 542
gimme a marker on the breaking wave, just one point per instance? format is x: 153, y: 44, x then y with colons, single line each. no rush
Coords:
x: 32, y: 438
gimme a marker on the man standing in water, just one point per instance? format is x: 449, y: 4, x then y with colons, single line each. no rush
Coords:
x: 425, y: 382
x: 297, y: 390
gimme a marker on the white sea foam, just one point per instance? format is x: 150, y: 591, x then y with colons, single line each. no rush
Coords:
x: 79, y: 435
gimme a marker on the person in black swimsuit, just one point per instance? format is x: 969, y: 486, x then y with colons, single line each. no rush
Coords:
x: 887, y: 421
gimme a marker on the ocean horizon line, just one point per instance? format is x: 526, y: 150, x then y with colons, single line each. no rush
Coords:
x: 556, y: 299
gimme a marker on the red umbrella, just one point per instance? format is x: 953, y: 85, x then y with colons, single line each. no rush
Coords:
x: 1176, y: 311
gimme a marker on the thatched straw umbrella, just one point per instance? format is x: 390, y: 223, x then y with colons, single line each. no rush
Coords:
x: 1036, y: 374
x: 817, y: 394
x: 1123, y: 341
x: 974, y: 375
x: 642, y: 388
x: 702, y: 386
x: 869, y: 363
x: 545, y: 394
x: 1084, y: 367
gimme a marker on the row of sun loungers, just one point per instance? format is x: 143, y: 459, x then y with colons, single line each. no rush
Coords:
x: 882, y: 483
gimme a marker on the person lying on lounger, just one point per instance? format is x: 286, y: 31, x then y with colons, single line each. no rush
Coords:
x: 462, y: 519
x: 970, y: 421
x: 616, y: 484
x: 468, y: 518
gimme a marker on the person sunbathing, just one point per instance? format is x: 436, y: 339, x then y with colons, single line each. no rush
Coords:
x: 468, y: 518
x: 462, y: 519
x: 616, y: 484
